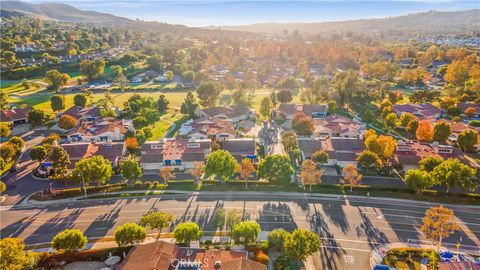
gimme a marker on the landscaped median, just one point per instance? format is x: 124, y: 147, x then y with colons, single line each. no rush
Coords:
x: 417, y: 256
x: 147, y: 188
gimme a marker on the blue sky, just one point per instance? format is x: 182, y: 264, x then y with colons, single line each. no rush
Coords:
x: 230, y: 12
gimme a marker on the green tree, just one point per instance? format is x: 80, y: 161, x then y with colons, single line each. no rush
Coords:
x: 345, y: 84
x: 276, y: 239
x: 320, y: 157
x: 17, y: 142
x: 453, y: 173
x: 92, y: 69
x: 93, y: 169
x: 13, y: 254
x: 38, y: 153
x: 187, y: 232
x: 368, y: 159
x: 208, y: 93
x: 188, y: 76
x: 57, y: 102
x: 69, y: 240
x: 129, y: 234
x: 418, y: 180
x: 441, y: 131
x: 405, y: 118
x: 139, y: 122
x: 60, y: 160
x: 266, y: 107
x: 467, y: 140
x: 169, y: 75
x: 131, y: 170
x: 276, y: 169
x: 429, y: 163
x: 4, y: 129
x: 3, y: 187
x: 220, y: 164
x: 156, y: 221
x: 245, y: 232
x: 289, y: 140
x: 4, y: 104
x: 391, y: 120
x: 162, y: 104
x: 301, y: 244
x: 80, y: 100
x: 284, y: 96
x: 233, y: 217
x: 189, y: 105
x: 7, y: 151
x: 55, y: 79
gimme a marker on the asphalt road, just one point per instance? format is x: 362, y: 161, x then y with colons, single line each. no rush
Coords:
x: 349, y: 228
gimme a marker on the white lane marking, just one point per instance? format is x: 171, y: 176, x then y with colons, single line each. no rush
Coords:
x: 345, y: 248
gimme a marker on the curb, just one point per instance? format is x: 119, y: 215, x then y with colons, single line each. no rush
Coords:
x: 28, y: 202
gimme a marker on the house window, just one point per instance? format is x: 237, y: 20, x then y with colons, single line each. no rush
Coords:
x: 156, y: 146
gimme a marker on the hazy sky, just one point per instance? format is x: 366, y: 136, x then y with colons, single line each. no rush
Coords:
x: 229, y: 12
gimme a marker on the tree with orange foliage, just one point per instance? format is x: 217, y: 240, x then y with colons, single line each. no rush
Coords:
x: 132, y: 144
x: 166, y: 173
x: 197, y: 170
x: 424, y: 131
x: 245, y: 169
x: 470, y: 111
x: 351, y: 176
x: 457, y: 73
x: 310, y: 174
x: 67, y: 122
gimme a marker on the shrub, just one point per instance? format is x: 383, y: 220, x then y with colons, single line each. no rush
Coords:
x: 138, y: 184
x: 474, y: 123
x: 261, y: 257
x: 147, y: 184
x: 155, y: 183
x: 263, y: 246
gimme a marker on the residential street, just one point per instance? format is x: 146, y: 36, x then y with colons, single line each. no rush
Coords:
x: 349, y: 228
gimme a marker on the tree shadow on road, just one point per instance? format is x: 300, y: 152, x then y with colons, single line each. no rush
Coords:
x: 336, y: 214
x: 101, y: 224
x: 374, y: 236
x: 276, y: 215
x: 330, y: 250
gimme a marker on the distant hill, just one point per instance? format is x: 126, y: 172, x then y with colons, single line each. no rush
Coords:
x: 431, y: 21
x: 59, y: 12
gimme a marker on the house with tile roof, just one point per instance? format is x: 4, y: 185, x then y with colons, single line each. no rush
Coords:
x: 232, y: 113
x: 105, y: 130
x: 241, y: 148
x: 409, y: 153
x: 208, y: 128
x: 287, y: 111
x: 168, y: 256
x: 82, y: 113
x: 338, y: 126
x: 421, y: 111
x: 14, y: 115
x: 465, y: 105
x: 181, y: 154
x: 341, y: 151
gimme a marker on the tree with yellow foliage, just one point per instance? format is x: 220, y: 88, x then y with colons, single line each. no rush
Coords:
x: 438, y: 223
x: 245, y: 169
x: 351, y: 176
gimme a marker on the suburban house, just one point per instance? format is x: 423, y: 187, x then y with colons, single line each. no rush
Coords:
x: 233, y: 113
x: 106, y: 130
x: 241, y: 148
x: 410, y: 153
x: 421, y: 111
x: 208, y: 127
x: 112, y: 151
x: 168, y: 256
x: 83, y: 113
x: 341, y: 151
x: 14, y: 115
x: 465, y: 105
x: 457, y: 127
x: 338, y: 126
x: 181, y: 154
x: 287, y: 111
